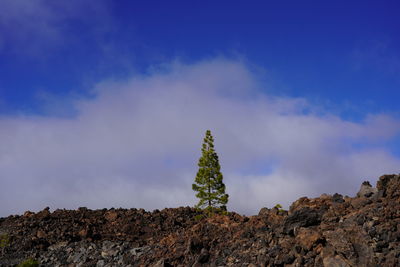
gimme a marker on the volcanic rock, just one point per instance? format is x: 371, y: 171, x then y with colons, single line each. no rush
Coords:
x: 330, y: 230
x: 302, y: 218
x: 366, y: 190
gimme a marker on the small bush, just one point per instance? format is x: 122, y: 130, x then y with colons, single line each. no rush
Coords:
x: 279, y: 208
x: 29, y: 263
x: 4, y: 240
x: 198, y: 217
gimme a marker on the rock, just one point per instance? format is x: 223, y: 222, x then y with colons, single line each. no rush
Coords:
x: 359, y: 202
x: 288, y: 259
x: 40, y: 234
x: 323, y: 231
x: 301, y: 218
x: 138, y: 251
x: 100, y: 263
x: 28, y: 213
x: 83, y: 233
x: 162, y: 263
x: 335, y: 261
x: 194, y: 245
x: 58, y: 246
x: 307, y: 238
x: 111, y: 216
x: 389, y: 185
x: 204, y: 256
x: 366, y: 190
x: 298, y: 204
x: 45, y: 213
x: 274, y: 251
x: 337, y: 198
x: 263, y: 212
x: 109, y: 253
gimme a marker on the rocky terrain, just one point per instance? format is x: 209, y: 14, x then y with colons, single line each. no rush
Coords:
x: 325, y: 231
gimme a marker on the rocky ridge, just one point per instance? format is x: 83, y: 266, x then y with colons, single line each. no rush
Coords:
x: 331, y: 230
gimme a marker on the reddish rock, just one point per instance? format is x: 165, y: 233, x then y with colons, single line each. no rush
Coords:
x: 335, y: 261
x: 111, y: 215
x: 324, y: 231
x: 28, y: 213
x: 307, y: 238
x: 40, y: 234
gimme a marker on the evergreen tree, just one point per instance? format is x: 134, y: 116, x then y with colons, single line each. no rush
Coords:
x: 208, y: 183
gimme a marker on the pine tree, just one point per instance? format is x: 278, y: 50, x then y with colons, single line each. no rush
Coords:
x: 208, y: 183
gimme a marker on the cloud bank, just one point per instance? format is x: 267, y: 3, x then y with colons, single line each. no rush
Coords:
x: 137, y: 142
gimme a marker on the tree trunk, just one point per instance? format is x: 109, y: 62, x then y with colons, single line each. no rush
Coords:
x: 209, y: 193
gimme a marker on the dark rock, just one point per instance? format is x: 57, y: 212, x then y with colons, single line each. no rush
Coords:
x: 337, y: 198
x: 324, y: 231
x: 389, y: 185
x: 274, y: 251
x: 195, y: 246
x: 204, y: 256
x: 162, y: 263
x: 288, y: 258
x: 302, y: 218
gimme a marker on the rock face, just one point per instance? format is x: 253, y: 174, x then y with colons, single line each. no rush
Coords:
x: 325, y: 231
x: 366, y: 190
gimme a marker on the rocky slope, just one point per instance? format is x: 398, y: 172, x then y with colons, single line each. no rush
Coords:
x: 325, y: 231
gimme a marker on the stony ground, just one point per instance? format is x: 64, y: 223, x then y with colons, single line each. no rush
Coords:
x: 325, y: 231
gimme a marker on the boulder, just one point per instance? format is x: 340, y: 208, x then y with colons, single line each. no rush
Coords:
x: 263, y: 212
x: 307, y: 238
x: 111, y: 215
x: 336, y: 261
x: 389, y: 185
x: 302, y: 218
x: 366, y: 190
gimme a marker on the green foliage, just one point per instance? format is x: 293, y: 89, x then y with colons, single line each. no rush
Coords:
x: 208, y: 183
x: 198, y: 217
x: 29, y: 263
x: 4, y: 241
x: 279, y: 208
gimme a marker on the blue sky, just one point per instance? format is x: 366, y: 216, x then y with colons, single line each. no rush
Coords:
x: 327, y: 65
x: 344, y: 54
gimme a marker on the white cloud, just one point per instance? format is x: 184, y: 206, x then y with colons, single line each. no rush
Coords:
x: 136, y: 144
